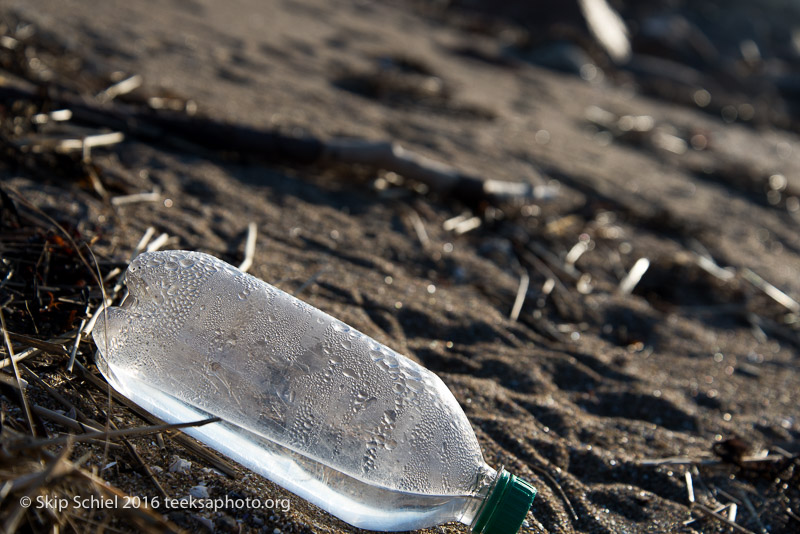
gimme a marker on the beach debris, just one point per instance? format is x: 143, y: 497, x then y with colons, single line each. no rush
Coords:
x: 184, y: 131
x: 627, y: 285
x: 180, y: 465
x: 199, y: 492
x: 122, y: 87
x: 152, y: 196
x: 249, y: 247
x: 461, y: 224
x: 522, y: 291
x: 642, y: 130
x: 689, y: 486
x: 85, y: 144
x: 158, y: 243
x: 21, y: 388
x: 608, y: 28
x: 771, y: 291
x: 419, y: 228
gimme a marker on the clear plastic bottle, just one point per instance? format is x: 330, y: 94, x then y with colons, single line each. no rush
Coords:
x: 306, y: 401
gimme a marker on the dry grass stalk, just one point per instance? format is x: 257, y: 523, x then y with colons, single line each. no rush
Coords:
x: 249, y: 247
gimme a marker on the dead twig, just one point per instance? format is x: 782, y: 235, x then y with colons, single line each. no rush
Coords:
x: 689, y: 486
x: 771, y: 291
x: 120, y: 88
x: 209, y: 456
x: 63, y: 420
x: 752, y: 510
x: 22, y: 394
x: 158, y: 242
x: 57, y: 466
x: 628, y: 284
x: 312, y: 279
x: 185, y: 131
x: 123, y: 433
x: 47, y: 346
x: 65, y: 146
x: 13, y: 360
x: 558, y: 488
x: 522, y: 291
x: 744, y: 461
x: 152, y: 196
x: 711, y: 513
x: 419, y: 228
x: 249, y: 247
x: 86, y: 421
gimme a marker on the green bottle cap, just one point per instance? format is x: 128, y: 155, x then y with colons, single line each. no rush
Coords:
x: 505, y: 507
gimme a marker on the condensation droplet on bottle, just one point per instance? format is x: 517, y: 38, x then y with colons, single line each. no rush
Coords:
x: 390, y: 416
x: 349, y: 373
x: 339, y: 326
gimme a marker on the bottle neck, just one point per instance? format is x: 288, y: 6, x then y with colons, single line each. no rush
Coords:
x: 485, y: 481
x: 504, y: 508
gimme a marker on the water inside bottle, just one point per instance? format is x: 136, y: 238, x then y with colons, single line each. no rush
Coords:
x: 307, y: 401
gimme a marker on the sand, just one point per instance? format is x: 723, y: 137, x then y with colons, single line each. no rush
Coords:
x: 589, y: 384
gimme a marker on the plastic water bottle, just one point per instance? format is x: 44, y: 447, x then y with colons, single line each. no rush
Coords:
x: 305, y: 400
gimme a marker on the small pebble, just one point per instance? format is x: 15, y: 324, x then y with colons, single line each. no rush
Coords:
x: 179, y: 465
x: 206, y: 522
x: 199, y: 492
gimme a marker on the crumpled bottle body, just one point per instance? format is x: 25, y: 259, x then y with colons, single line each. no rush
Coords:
x: 361, y: 424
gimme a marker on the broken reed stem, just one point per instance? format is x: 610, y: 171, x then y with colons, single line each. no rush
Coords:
x: 48, y: 346
x: 770, y: 458
x: 120, y: 88
x: 123, y: 433
x: 312, y: 279
x: 153, y: 196
x: 58, y: 466
x: 522, y: 291
x: 752, y: 510
x: 558, y: 487
x: 22, y: 394
x: 634, y: 276
x: 158, y: 242
x: 74, y: 351
x: 148, y: 235
x: 249, y: 247
x: 419, y: 228
x: 66, y: 146
x: 689, y: 486
x: 185, y: 441
x: 63, y: 420
x: 770, y: 290
x: 22, y: 200
x: 711, y: 513
x: 82, y: 417
x: 13, y: 360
